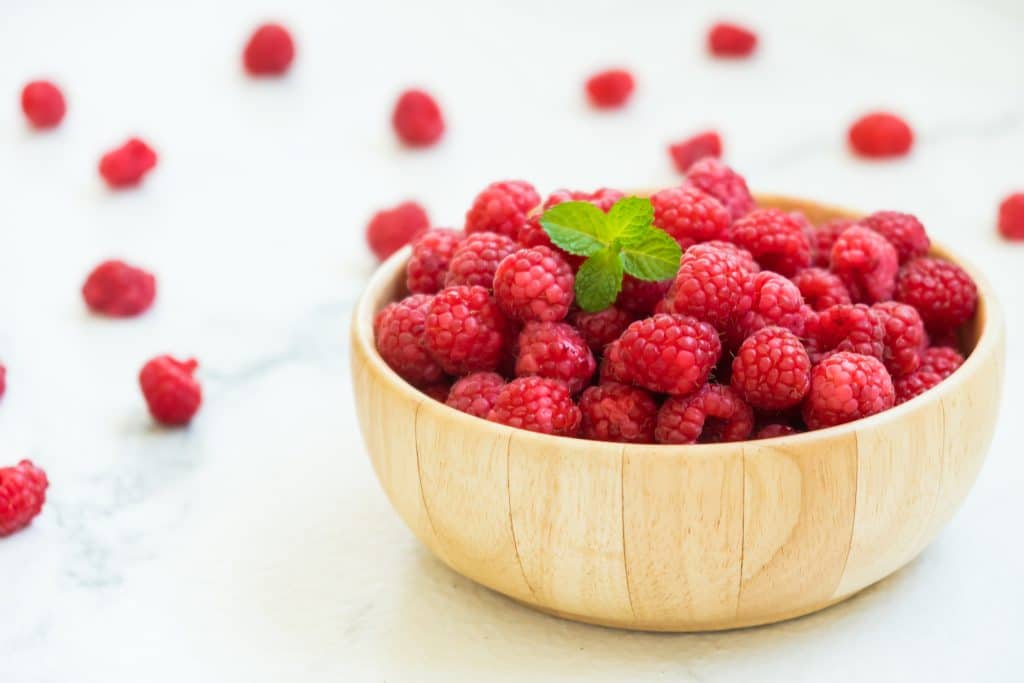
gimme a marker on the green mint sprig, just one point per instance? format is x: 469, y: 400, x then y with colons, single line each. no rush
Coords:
x: 624, y: 240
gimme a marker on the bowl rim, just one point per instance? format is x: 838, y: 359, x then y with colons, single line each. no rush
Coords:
x: 988, y: 312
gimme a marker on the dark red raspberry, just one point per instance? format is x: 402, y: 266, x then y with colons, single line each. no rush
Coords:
x: 745, y: 257
x: 846, y: 327
x: 845, y: 387
x: 726, y: 39
x: 3, y: 380
x: 476, y: 393
x: 502, y: 207
x: 942, y: 360
x: 670, y: 354
x: 417, y: 119
x: 821, y: 288
x: 269, y: 52
x: 119, y: 290
x: 902, y: 230
x: 904, y: 337
x: 556, y: 350
x: 428, y: 265
x: 950, y: 338
x: 612, y: 367
x: 437, y: 391
x: 534, y: 284
x: 773, y: 430
x: 690, y: 215
x: 825, y: 236
x: 915, y: 384
x: 465, y: 330
x: 539, y: 404
x: 22, y: 495
x: 126, y: 165
x: 610, y: 89
x: 391, y: 229
x: 713, y: 414
x: 641, y: 296
x: 603, y: 198
x: 867, y: 263
x: 775, y: 239
x: 722, y: 183
x: 879, y: 135
x: 771, y: 370
x: 617, y: 412
x: 171, y: 392
x: 942, y: 292
x: 398, y: 329
x: 43, y: 104
x: 1011, y: 217
x: 476, y: 259
x: 601, y: 328
x: 684, y: 154
x: 708, y: 286
x: 767, y: 299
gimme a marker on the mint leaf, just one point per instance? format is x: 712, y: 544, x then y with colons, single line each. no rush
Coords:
x: 650, y: 254
x: 630, y: 214
x: 599, y: 280
x: 577, y: 227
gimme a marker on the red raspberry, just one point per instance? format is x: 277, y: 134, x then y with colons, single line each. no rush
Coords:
x: 950, y: 338
x: 690, y: 215
x: 539, y: 404
x: 437, y: 391
x: 476, y: 393
x: 641, y: 296
x: 942, y: 292
x: 846, y: 327
x: 610, y: 89
x: 601, y: 328
x: 825, y: 236
x: 534, y: 284
x: 476, y: 259
x: 731, y: 40
x: 617, y: 412
x: 398, y: 330
x: 612, y: 367
x: 773, y: 430
x: 556, y: 350
x: 119, y: 290
x: 767, y: 299
x: 391, y: 229
x: 821, y: 288
x: 845, y: 387
x: 915, y: 384
x: 867, y: 263
x: 904, y: 337
x: 670, y: 354
x: 771, y: 370
x: 745, y: 257
x: 269, y: 52
x: 502, y: 207
x: 126, y: 165
x: 942, y: 360
x: 428, y: 265
x: 713, y: 414
x: 43, y: 104
x: 465, y: 330
x: 880, y: 135
x: 722, y: 183
x: 1011, y: 217
x: 3, y: 380
x: 171, y: 392
x: 902, y: 230
x: 708, y: 285
x: 775, y: 239
x: 417, y: 119
x: 22, y: 494
x: 684, y: 154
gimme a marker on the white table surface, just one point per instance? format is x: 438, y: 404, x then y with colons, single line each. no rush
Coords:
x: 256, y: 545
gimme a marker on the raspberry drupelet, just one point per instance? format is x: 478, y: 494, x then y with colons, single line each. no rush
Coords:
x: 617, y: 412
x: 417, y: 119
x: 602, y: 327
x: 847, y: 386
x: 22, y: 495
x: 399, y: 329
x: 714, y: 414
x: 821, y: 288
x: 610, y: 89
x: 119, y: 290
x: 771, y: 370
x: 125, y: 166
x: 726, y: 39
x: 690, y: 215
x: 428, y: 265
x: 172, y: 394
x: 722, y: 183
x: 708, y: 285
x: 670, y: 354
x: 904, y: 337
x: 941, y: 291
x: 867, y: 264
x: 391, y: 229
x: 269, y: 52
x: 880, y: 135
x: 476, y: 259
x: 534, y: 284
x: 538, y: 404
x: 476, y: 393
x: 846, y: 327
x: 465, y: 331
x: 775, y: 239
x: 686, y: 153
x: 43, y: 104
x: 502, y: 207
x: 555, y: 350
x: 902, y: 230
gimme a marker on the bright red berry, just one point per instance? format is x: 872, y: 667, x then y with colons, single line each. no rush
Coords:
x: 825, y: 236
x: 767, y: 299
x: 867, y: 264
x: 617, y: 412
x: 417, y: 119
x: 820, y: 288
x: 773, y: 430
x: 3, y: 380
x: 942, y: 292
x: 539, y: 404
x: 43, y: 104
x: 714, y: 414
x: 771, y: 370
x: 669, y: 354
x: 731, y: 40
x: 269, y: 52
x: 1011, y: 217
x: 610, y: 89
x: 171, y: 392
x: 902, y: 230
x: 708, y: 285
x: 880, y: 135
x: 391, y: 229
x: 534, y: 284
x: 502, y: 207
x: 684, y: 154
x: 476, y: 259
x: 690, y: 215
x: 428, y: 265
x: 118, y: 289
x: 846, y: 327
x: 601, y: 328
x: 942, y: 360
x: 556, y: 350
x: 775, y: 239
x: 476, y: 393
x: 914, y: 384
x: 22, y: 495
x: 845, y: 387
x: 722, y: 183
x: 641, y: 296
x: 904, y: 337
x: 125, y: 166
x: 399, y: 329
x: 465, y: 331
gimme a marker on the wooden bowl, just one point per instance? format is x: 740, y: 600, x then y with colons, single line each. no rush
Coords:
x: 678, y: 538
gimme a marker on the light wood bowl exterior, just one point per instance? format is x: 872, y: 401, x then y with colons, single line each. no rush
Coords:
x: 678, y: 538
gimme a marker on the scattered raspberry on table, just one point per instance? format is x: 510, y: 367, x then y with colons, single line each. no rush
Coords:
x: 43, y: 104
x: 119, y: 290
x: 391, y: 229
x: 727, y: 39
x: 610, y: 89
x: 881, y: 135
x: 3, y: 380
x: 269, y: 51
x: 417, y: 119
x: 172, y: 393
x: 1011, y: 217
x: 22, y: 495
x: 127, y: 165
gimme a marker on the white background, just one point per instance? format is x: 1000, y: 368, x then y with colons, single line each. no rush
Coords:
x: 255, y: 545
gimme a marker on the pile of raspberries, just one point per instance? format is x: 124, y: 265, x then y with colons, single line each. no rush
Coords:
x: 772, y: 325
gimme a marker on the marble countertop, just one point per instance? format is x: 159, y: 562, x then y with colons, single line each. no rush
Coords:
x: 256, y: 545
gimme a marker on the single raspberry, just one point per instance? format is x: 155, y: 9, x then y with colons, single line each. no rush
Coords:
x: 902, y: 230
x: 775, y: 239
x: 1011, y: 217
x: 118, y: 289
x: 821, y: 288
x: 539, y: 404
x: 690, y: 215
x: 846, y: 327
x: 942, y: 292
x: 534, y: 284
x: 391, y: 229
x: 171, y: 392
x: 22, y: 495
x: 708, y: 285
x: 915, y: 384
x: 43, y: 104
x: 745, y: 257
x: 555, y: 350
x: 3, y: 380
x: 476, y: 259
x: 942, y: 360
x: 612, y: 367
x: 476, y: 393
x: 671, y: 354
x: 684, y: 154
x: 437, y: 391
x: 726, y: 39
x: 502, y: 207
x: 465, y: 330
x: 417, y: 119
x: 641, y: 296
x: 617, y: 412
x: 825, y: 236
x: 771, y: 370
x: 722, y: 183
x: 879, y: 135
x: 847, y: 386
x: 867, y: 263
x: 269, y: 52
x: 601, y: 328
x: 904, y: 337
x: 773, y: 430
x: 610, y: 89
x: 428, y: 265
x: 713, y: 414
x: 126, y: 165
x: 767, y: 299
x: 398, y: 330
